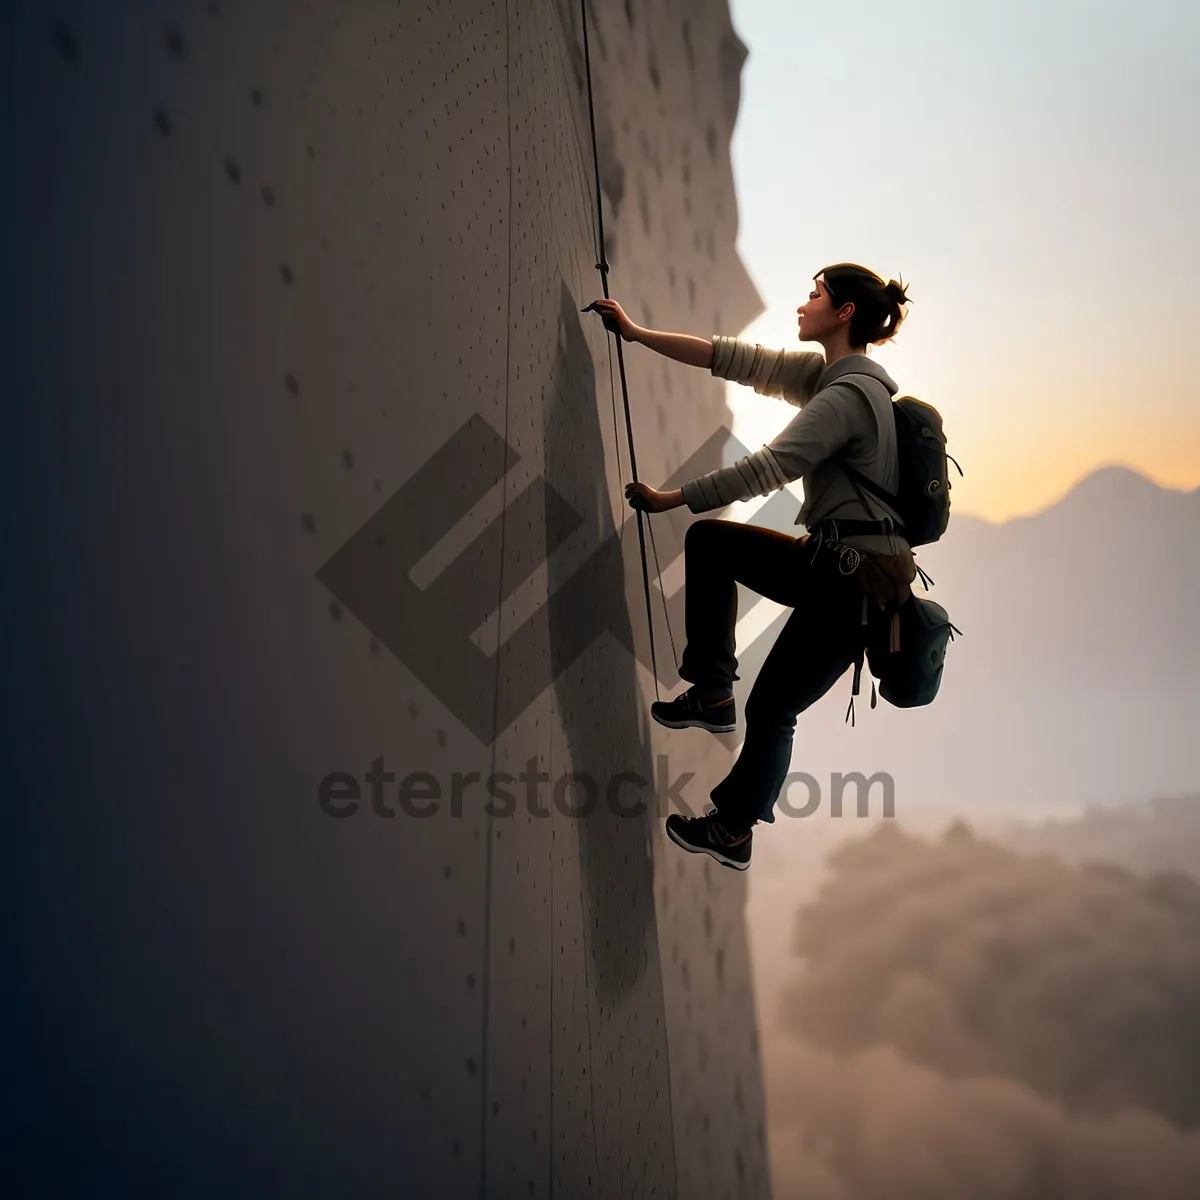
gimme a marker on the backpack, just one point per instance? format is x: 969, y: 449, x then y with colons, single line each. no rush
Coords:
x: 910, y: 673
x: 923, y: 501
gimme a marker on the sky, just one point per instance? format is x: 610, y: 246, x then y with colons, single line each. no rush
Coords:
x: 1032, y: 171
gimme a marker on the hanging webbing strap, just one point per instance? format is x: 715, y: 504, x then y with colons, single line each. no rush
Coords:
x: 602, y: 267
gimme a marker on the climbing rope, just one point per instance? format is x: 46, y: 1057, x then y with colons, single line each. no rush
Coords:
x: 602, y: 267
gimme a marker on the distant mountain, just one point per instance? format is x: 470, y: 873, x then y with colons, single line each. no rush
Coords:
x: 1097, y: 590
x: 1075, y: 680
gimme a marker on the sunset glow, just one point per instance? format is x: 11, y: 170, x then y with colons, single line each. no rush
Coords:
x: 1035, y: 187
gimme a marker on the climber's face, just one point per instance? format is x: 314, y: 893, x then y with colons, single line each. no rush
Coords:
x: 817, y: 317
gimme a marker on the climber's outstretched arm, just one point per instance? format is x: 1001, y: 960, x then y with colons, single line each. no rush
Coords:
x: 789, y: 375
x: 682, y: 347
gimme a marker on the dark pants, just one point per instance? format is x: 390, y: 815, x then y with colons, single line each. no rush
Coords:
x: 812, y: 651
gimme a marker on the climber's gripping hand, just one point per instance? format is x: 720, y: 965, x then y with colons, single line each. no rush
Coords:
x: 614, y: 318
x: 641, y: 495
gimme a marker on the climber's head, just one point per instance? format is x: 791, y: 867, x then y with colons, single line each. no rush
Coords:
x: 849, y: 298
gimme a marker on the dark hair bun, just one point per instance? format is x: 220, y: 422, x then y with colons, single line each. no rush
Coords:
x: 879, y: 308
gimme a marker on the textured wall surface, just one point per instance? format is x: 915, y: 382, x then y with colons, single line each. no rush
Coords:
x: 313, y: 461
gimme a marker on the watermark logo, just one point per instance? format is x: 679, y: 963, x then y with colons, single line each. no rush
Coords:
x: 384, y: 793
x: 429, y: 629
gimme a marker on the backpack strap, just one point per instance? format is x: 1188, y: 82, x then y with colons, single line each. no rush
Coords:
x: 887, y: 525
x: 856, y: 476
x: 858, y: 666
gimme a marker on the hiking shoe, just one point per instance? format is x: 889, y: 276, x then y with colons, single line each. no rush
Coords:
x: 686, y: 710
x: 706, y: 835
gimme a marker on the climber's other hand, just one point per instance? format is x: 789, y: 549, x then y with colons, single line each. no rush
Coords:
x: 641, y: 495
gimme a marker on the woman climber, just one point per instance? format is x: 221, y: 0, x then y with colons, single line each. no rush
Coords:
x: 853, y: 550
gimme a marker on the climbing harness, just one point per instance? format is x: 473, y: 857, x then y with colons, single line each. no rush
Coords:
x: 602, y: 267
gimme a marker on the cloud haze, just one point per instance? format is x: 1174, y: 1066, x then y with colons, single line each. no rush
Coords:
x: 972, y: 1022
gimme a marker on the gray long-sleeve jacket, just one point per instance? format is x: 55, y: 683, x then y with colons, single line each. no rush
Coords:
x: 833, y: 420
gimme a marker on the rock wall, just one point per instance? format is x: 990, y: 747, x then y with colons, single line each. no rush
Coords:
x: 315, y: 508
